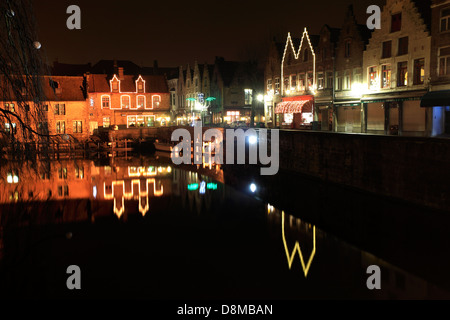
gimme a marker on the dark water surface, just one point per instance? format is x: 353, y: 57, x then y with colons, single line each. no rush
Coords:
x: 143, y: 228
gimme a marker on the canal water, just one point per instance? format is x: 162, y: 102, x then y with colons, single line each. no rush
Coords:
x: 143, y: 228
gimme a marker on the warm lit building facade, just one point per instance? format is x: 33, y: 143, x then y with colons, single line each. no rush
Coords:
x: 61, y: 112
x: 125, y: 101
x: 396, y: 70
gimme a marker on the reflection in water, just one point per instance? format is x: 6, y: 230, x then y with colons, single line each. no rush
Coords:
x: 297, y: 248
x: 244, y: 243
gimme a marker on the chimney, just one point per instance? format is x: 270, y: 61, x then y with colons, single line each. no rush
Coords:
x: 120, y: 71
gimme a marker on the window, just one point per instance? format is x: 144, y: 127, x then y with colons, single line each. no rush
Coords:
x: 106, y: 122
x: 60, y: 109
x: 293, y: 82
x: 140, y: 86
x: 320, y: 82
x: 338, y: 81
x: 402, y: 74
x: 105, y: 101
x: 373, y: 78
x: 310, y: 81
x: 402, y: 46
x: 301, y: 82
x: 347, y: 80
x: 233, y: 116
x: 387, y: 49
x: 419, y: 71
x: 444, y: 61
x: 248, y: 96
x: 172, y: 99
x: 62, y: 173
x: 77, y: 127
x: 305, y: 55
x: 42, y: 127
x: 60, y: 127
x: 329, y: 80
x: 115, y: 86
x: 269, y: 85
x: 63, y: 191
x: 277, y: 85
x: 347, y: 48
x: 286, y: 83
x: 386, y: 76
x: 131, y: 121
x: 156, y: 101
x: 79, y: 172
x: 445, y: 20
x: 125, y: 102
x: 396, y: 22
x: 8, y: 128
x: 10, y: 107
x: 141, y: 102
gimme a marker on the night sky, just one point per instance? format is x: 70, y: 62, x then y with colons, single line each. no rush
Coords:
x: 180, y: 32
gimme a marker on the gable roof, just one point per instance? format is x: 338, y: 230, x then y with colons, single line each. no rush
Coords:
x: 153, y: 83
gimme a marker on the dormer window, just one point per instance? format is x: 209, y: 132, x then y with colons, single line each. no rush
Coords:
x: 140, y: 85
x: 115, y: 84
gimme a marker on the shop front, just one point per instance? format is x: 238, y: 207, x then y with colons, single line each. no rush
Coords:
x: 295, y: 112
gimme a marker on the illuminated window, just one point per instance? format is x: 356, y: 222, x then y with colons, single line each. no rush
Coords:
x: 14, y: 196
x: 347, y: 80
x: 60, y: 109
x: 105, y: 101
x: 125, y: 102
x: 10, y: 107
x: 288, y: 118
x: 396, y: 22
x: 131, y: 121
x: 12, y: 177
x: 320, y: 81
x: 249, y: 96
x: 79, y: 172
x: 310, y: 80
x: 445, y: 20
x: 386, y: 76
x: 233, y: 115
x: 115, y: 84
x: 140, y: 86
x: 402, y: 74
x: 444, y: 61
x: 277, y: 85
x: 8, y: 127
x: 419, y: 71
x: 373, y: 78
x: 149, y: 121
x: 140, y: 101
x: 77, y: 127
x: 156, y: 101
x: 106, y: 122
x: 269, y: 85
x: 60, y: 127
x: 62, y: 173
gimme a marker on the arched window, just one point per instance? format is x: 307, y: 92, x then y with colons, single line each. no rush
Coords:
x: 156, y: 99
x: 125, y: 102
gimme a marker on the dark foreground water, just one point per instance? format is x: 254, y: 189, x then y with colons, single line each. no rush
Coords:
x: 143, y: 228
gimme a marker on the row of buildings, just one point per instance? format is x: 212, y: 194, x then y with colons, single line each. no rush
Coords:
x: 83, y: 100
x: 389, y: 81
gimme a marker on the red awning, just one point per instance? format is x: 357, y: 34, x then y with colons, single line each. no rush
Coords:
x: 294, y: 106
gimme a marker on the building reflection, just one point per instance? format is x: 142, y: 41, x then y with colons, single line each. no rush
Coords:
x: 73, y: 190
